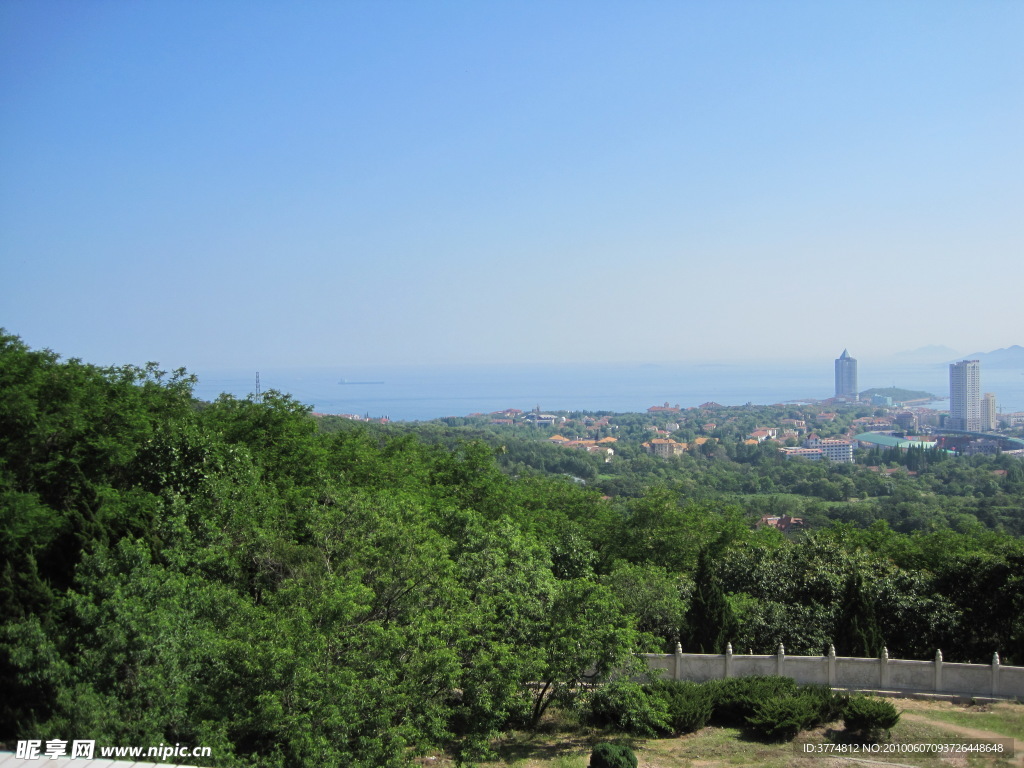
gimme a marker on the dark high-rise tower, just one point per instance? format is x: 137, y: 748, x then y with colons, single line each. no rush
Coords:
x: 846, y: 376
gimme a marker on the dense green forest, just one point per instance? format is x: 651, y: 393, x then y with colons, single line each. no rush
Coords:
x: 300, y: 592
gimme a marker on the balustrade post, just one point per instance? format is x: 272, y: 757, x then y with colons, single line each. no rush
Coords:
x: 995, y: 674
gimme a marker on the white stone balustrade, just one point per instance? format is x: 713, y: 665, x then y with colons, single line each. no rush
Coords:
x: 993, y: 680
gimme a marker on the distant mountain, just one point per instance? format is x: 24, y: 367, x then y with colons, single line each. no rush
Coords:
x: 1008, y: 357
x: 933, y: 353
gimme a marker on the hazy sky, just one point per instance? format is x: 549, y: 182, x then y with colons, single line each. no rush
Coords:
x: 276, y: 183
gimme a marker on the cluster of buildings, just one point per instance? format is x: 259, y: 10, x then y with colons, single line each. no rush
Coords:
x: 816, y: 448
x: 511, y: 417
x: 665, y: 448
x: 969, y: 410
x: 602, y: 446
x: 782, y: 523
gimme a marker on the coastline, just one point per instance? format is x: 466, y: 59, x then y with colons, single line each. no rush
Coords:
x: 423, y: 393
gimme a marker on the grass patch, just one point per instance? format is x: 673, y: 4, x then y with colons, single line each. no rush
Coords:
x: 711, y: 746
x: 569, y: 761
x: 1005, y: 718
x: 564, y: 743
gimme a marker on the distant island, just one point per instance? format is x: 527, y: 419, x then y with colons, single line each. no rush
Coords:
x: 898, y: 395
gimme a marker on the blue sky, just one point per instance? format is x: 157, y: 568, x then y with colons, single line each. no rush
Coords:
x: 256, y: 184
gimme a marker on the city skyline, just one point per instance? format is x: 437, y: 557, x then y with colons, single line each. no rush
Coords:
x: 254, y: 185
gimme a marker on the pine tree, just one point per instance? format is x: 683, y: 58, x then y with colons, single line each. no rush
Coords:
x: 710, y: 622
x: 857, y: 631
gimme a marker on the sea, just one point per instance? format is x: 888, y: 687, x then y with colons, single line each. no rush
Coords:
x: 426, y: 392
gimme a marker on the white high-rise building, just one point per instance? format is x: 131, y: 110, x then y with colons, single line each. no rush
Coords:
x: 989, y: 417
x: 965, y: 396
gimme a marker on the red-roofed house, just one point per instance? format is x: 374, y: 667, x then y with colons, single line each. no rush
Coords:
x: 664, y: 448
x: 666, y: 408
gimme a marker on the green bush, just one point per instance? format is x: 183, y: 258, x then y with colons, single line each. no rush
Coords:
x: 781, y: 719
x: 612, y: 756
x: 689, y: 705
x: 734, y: 700
x: 830, y: 705
x: 772, y: 707
x: 869, y: 716
x: 625, y: 705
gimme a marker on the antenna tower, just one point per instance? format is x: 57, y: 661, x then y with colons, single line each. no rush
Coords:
x: 259, y: 395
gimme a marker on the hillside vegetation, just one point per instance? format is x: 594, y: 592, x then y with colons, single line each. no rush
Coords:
x: 897, y: 394
x: 227, y: 574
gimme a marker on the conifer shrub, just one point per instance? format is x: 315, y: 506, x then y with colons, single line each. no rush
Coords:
x: 830, y: 704
x: 870, y: 717
x: 771, y: 707
x: 735, y: 699
x: 626, y: 705
x: 612, y: 756
x: 782, y: 718
x: 689, y: 705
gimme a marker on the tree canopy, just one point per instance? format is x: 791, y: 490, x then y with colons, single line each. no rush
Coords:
x: 233, y: 574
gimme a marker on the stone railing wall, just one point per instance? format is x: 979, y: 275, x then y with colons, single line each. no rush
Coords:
x: 883, y: 674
